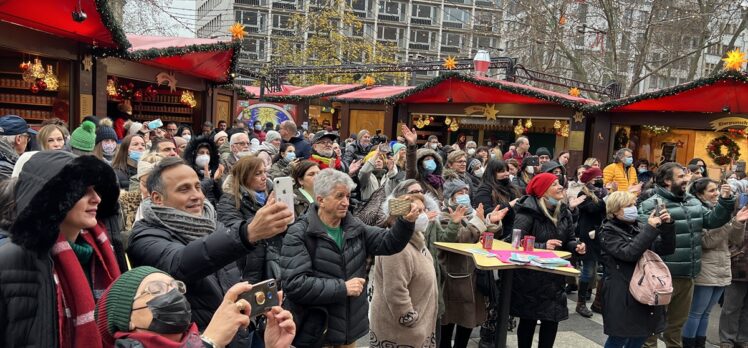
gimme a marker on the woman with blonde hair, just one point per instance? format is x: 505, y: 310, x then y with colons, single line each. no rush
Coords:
x: 52, y: 137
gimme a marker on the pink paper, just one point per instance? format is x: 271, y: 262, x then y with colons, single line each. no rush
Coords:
x: 504, y: 255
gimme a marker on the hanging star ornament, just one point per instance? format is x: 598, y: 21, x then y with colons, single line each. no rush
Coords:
x: 237, y: 31
x: 490, y: 112
x: 578, y: 117
x: 450, y: 63
x: 369, y: 81
x: 734, y: 60
x: 574, y: 92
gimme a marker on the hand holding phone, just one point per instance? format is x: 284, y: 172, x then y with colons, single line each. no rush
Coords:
x: 262, y: 297
x: 399, y: 206
x: 283, y: 188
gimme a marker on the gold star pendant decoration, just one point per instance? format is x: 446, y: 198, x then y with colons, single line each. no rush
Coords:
x: 449, y: 63
x: 574, y: 92
x: 237, y: 31
x: 734, y: 60
x: 369, y: 81
x: 490, y: 112
x: 87, y: 62
x: 578, y: 117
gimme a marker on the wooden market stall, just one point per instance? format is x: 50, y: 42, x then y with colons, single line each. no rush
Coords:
x: 313, y: 107
x: 359, y: 110
x: 706, y: 118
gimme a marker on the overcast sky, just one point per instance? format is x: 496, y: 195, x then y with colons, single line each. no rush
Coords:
x: 179, y: 10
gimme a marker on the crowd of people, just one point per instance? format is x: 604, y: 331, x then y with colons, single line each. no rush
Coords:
x: 151, y: 236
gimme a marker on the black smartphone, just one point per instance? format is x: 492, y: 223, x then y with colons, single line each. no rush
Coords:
x: 533, y: 161
x: 660, y: 206
x: 262, y: 297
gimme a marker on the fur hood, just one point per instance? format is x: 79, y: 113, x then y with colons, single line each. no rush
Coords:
x: 190, y: 152
x: 428, y: 152
x: 49, y: 185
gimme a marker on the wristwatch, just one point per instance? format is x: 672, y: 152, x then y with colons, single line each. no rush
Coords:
x: 207, y: 342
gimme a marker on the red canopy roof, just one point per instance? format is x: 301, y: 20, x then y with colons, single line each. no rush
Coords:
x: 55, y: 17
x: 285, y: 90
x: 370, y: 94
x: 205, y: 58
x: 312, y: 92
x: 711, y: 94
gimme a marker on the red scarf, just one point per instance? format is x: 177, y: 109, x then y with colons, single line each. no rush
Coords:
x: 75, y: 302
x: 153, y: 340
x: 324, y: 162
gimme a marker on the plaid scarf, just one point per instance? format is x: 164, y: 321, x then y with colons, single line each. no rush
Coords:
x: 75, y: 300
x: 326, y: 162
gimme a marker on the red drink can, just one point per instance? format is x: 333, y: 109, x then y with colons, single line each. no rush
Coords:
x: 529, y: 243
x: 486, y: 240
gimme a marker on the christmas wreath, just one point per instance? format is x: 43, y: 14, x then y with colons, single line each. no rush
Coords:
x: 714, y: 149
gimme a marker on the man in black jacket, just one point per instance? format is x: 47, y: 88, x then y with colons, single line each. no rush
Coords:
x: 179, y: 235
x: 288, y: 132
x: 324, y: 262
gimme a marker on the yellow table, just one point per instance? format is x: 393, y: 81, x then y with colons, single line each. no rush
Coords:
x: 490, y: 263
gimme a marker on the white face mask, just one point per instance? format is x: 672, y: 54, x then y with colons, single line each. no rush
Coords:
x: 530, y: 170
x: 243, y: 154
x: 434, y: 146
x: 422, y: 222
x: 479, y: 172
x: 471, y: 151
x: 202, y: 160
x: 187, y: 137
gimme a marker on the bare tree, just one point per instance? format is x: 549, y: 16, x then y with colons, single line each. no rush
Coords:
x: 153, y: 17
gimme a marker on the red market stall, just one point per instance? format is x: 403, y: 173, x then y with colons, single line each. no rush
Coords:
x: 360, y: 109
x: 313, y: 108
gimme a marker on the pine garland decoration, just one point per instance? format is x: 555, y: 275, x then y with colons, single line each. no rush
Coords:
x: 240, y: 91
x: 299, y: 98
x: 107, y: 18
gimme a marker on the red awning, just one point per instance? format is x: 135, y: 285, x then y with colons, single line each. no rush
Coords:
x: 55, y: 17
x: 458, y: 88
x: 708, y: 98
x: 371, y: 94
x: 205, y: 58
x: 312, y: 92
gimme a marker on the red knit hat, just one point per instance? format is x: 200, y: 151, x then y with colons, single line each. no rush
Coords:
x: 540, y: 183
x: 590, y: 173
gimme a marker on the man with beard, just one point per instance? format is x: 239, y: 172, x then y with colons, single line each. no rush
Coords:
x: 690, y: 217
x: 322, y: 151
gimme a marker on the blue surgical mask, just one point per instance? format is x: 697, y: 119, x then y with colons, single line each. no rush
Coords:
x: 642, y: 170
x: 628, y: 161
x: 630, y: 214
x: 429, y: 166
x: 290, y: 156
x: 463, y: 200
x: 135, y: 155
x: 552, y: 201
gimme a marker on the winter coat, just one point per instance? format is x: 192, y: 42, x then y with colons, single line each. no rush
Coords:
x: 465, y: 305
x: 486, y: 195
x: 8, y: 158
x: 715, y: 253
x: 625, y: 178
x: 303, y: 148
x: 414, y: 160
x: 690, y: 217
x: 205, y: 265
x: 228, y: 160
x: 540, y: 295
x: 622, y: 246
x: 368, y: 182
x: 591, y: 216
x: 123, y: 177
x: 261, y: 262
x: 211, y: 187
x: 404, y: 304
x: 28, y: 298
x: 129, y: 204
x: 519, y: 181
x: 645, y: 177
x: 355, y: 151
x: 739, y: 259
x: 319, y: 280
x: 300, y: 204
x: 280, y: 168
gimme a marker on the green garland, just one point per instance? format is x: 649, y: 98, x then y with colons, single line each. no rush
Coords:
x: 714, y: 149
x: 566, y: 102
x: 666, y: 92
x: 240, y: 91
x: 107, y: 18
x: 298, y: 98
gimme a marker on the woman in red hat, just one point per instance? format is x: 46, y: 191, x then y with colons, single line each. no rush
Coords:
x: 539, y: 295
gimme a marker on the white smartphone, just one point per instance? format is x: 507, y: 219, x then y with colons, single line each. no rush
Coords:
x: 283, y: 188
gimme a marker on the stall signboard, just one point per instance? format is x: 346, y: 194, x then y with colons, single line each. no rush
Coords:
x: 728, y: 123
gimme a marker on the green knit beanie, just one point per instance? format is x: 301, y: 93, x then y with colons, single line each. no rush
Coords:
x: 84, y: 137
x: 115, y: 306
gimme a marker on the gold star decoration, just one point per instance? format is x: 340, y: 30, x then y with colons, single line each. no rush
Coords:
x: 578, y: 117
x: 87, y: 62
x: 734, y: 60
x: 490, y: 112
x: 369, y: 80
x: 450, y: 63
x: 574, y: 92
x: 237, y: 31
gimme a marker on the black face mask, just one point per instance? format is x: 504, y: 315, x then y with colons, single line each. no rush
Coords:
x: 171, y: 313
x: 504, y: 182
x: 598, y: 183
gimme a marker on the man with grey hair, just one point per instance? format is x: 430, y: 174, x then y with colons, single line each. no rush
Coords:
x: 14, y: 137
x: 239, y: 143
x: 521, y: 151
x: 621, y: 175
x: 324, y: 263
x: 289, y: 134
x: 358, y: 149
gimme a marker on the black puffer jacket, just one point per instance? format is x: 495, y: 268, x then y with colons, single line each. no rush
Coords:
x: 262, y: 262
x: 591, y: 215
x: 622, y: 246
x: 320, y: 281
x: 487, y: 196
x: 50, y: 184
x: 206, y: 265
x: 535, y: 294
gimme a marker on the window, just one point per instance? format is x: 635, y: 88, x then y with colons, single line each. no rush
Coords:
x: 456, y: 15
x: 387, y: 33
x: 422, y: 11
x: 451, y: 39
x: 359, y: 5
x: 482, y: 42
x: 389, y: 7
x: 280, y: 21
x: 420, y: 36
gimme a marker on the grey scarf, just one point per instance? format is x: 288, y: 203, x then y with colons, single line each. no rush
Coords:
x: 187, y: 226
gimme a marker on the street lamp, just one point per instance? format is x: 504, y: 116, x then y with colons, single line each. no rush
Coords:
x: 482, y: 61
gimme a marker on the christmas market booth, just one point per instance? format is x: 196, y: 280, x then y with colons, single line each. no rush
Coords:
x: 250, y: 109
x: 485, y: 110
x: 363, y: 109
x: 185, y: 80
x: 706, y: 118
x: 314, y: 109
x: 54, y: 76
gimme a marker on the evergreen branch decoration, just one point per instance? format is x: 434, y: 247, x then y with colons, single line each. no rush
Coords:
x: 671, y: 91
x: 107, y: 18
x: 240, y: 91
x: 298, y: 98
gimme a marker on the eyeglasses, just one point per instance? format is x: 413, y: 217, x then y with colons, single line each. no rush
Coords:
x: 158, y: 287
x: 242, y: 143
x: 461, y: 162
x: 325, y: 142
x: 415, y: 192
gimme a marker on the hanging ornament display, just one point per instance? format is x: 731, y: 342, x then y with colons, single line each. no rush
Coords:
x: 737, y: 133
x: 50, y: 79
x: 519, y: 129
x: 126, y: 91
x: 565, y: 131
x: 734, y: 60
x: 34, y: 89
x: 188, y: 98
x: 138, y: 95
x: 111, y: 89
x: 574, y: 92
x: 656, y: 130
x: 151, y: 92
x: 24, y: 66
x: 33, y: 71
x: 449, y: 63
x: 557, y: 124
x: 41, y: 84
x: 237, y: 31
x: 447, y: 121
x: 528, y: 123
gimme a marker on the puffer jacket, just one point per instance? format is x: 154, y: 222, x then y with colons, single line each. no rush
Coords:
x: 280, y: 168
x: 625, y: 178
x: 355, y: 151
x: 715, y: 252
x: 535, y: 294
x: 320, y: 280
x: 591, y: 216
x: 690, y: 217
x: 414, y: 165
x: 300, y: 204
x: 622, y: 245
x: 261, y: 262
